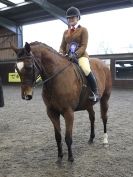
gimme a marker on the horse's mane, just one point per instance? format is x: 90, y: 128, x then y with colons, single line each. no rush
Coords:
x: 36, y: 43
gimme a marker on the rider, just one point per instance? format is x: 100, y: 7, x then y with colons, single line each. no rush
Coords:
x: 78, y: 34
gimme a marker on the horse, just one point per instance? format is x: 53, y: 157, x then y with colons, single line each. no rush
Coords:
x: 64, y: 89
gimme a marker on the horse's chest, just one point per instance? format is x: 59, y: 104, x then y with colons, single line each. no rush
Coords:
x: 51, y: 100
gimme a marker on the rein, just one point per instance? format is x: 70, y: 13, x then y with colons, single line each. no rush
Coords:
x: 51, y: 77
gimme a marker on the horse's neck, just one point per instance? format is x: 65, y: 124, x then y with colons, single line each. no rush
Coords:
x: 50, y: 62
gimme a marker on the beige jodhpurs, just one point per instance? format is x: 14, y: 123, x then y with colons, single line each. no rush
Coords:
x: 85, y: 65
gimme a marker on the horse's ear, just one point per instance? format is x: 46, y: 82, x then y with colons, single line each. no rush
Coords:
x: 15, y: 49
x: 27, y: 47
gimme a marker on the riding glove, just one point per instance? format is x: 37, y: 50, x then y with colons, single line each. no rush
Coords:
x: 73, y: 58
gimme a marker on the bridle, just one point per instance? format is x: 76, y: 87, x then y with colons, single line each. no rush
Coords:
x: 36, y: 67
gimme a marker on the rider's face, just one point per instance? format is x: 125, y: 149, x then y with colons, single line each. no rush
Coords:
x: 72, y: 21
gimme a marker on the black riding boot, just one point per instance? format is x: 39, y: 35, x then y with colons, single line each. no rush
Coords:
x: 91, y: 82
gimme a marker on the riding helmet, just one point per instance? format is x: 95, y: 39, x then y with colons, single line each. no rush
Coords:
x: 73, y: 12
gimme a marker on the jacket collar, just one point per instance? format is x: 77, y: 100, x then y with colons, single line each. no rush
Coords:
x: 76, y: 26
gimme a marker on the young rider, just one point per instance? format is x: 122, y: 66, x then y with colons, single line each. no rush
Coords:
x: 78, y: 35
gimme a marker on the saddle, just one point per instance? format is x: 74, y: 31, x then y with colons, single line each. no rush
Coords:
x: 85, y: 90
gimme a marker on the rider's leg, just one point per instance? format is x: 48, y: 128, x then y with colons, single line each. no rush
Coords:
x: 93, y: 85
x: 91, y: 81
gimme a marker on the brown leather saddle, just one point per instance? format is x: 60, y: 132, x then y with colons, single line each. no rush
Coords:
x: 85, y: 90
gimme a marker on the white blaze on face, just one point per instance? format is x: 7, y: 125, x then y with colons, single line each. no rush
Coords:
x: 20, y: 65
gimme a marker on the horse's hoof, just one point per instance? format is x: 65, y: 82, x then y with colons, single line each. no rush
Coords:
x: 90, y: 141
x: 70, y: 159
x: 59, y: 160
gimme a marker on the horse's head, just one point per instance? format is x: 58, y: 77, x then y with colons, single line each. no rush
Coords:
x: 26, y: 69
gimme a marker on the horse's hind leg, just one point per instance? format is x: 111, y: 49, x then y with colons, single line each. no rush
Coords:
x: 69, y: 117
x: 92, y: 121
x: 55, y: 118
x: 104, y: 109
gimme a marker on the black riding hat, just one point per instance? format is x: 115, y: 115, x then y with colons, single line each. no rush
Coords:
x: 73, y: 12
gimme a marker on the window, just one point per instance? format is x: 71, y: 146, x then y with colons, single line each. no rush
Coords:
x: 124, y: 69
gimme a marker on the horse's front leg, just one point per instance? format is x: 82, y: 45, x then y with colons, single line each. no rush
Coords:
x: 55, y: 118
x: 69, y: 117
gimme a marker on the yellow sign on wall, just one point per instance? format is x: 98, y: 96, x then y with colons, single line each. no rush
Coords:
x: 13, y: 77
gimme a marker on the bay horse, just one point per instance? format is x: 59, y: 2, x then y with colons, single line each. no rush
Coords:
x: 64, y: 91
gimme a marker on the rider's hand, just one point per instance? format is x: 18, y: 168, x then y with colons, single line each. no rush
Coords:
x: 73, y: 58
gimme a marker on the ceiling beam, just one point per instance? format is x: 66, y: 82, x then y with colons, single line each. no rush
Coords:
x: 8, y: 3
x: 8, y: 24
x: 52, y: 9
x: 15, y: 6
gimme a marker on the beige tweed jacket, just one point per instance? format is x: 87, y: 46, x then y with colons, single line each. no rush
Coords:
x: 80, y: 36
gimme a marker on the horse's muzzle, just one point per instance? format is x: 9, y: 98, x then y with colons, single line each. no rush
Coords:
x: 26, y: 92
